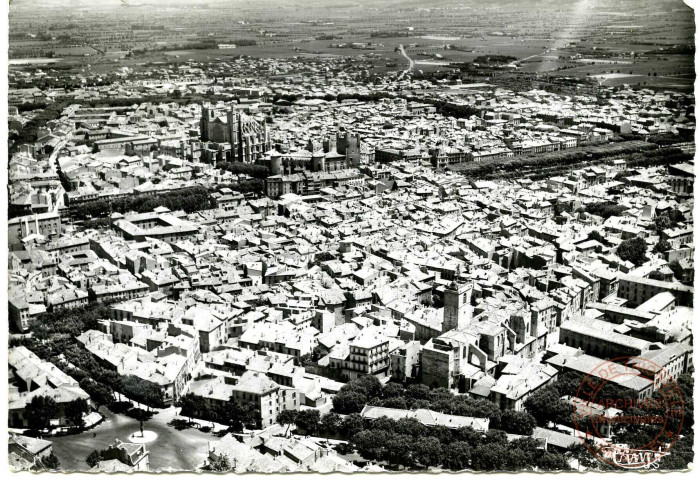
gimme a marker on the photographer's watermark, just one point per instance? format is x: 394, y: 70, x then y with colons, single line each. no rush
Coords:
x: 629, y: 394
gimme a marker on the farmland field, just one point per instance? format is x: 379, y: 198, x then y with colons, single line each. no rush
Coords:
x: 585, y: 40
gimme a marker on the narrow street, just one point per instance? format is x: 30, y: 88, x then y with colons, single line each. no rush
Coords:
x: 53, y: 163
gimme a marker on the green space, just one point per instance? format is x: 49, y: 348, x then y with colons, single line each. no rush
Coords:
x: 636, y: 153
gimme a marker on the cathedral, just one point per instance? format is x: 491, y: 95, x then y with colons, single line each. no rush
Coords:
x: 337, y: 152
x: 247, y: 136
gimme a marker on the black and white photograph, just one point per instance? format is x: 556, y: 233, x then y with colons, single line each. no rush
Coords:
x: 349, y: 236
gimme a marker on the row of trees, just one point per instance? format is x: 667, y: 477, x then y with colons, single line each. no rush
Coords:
x: 28, y: 107
x: 213, y: 44
x: 42, y: 409
x: 367, y: 390
x: 179, y: 98
x: 664, y: 139
x: 233, y: 413
x: 61, y: 323
x: 29, y: 132
x: 647, y: 158
x: 140, y: 390
x: 520, y: 165
x: 189, y: 199
x: 53, y: 340
x: 410, y: 444
x: 101, y: 383
x: 256, y: 186
x: 494, y: 59
x: 443, y: 107
x: 97, y: 456
x: 451, y: 109
x: 310, y: 421
x: 454, y: 450
x: 659, y: 157
x: 241, y: 168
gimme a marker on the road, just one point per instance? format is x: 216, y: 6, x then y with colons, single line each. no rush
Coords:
x: 532, y: 56
x: 411, y: 63
x: 173, y: 449
x: 53, y: 164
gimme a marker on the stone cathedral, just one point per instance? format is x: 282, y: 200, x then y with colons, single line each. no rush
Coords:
x: 248, y: 137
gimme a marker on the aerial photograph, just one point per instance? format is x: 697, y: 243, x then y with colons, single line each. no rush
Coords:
x: 351, y: 236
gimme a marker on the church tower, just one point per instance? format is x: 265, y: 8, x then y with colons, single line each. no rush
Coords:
x: 232, y: 118
x: 457, y: 306
x: 348, y: 144
x: 267, y: 145
x: 207, y: 115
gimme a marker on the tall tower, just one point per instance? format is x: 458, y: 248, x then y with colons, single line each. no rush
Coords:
x: 267, y: 145
x: 206, y: 116
x: 330, y: 144
x: 232, y: 118
x: 318, y: 161
x: 457, y: 306
x: 348, y: 144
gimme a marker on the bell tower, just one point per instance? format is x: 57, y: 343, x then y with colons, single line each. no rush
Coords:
x: 458, y: 311
x: 207, y: 115
x: 232, y: 121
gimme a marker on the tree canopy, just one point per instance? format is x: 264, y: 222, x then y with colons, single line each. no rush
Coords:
x: 189, y: 199
x: 221, y: 464
x: 74, y: 411
x: 633, y: 250
x: 605, y: 209
x: 42, y: 409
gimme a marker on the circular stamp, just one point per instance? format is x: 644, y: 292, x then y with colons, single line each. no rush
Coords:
x: 631, y: 412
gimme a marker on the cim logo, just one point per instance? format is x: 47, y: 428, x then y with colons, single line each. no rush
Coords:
x: 663, y: 416
x: 630, y: 458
